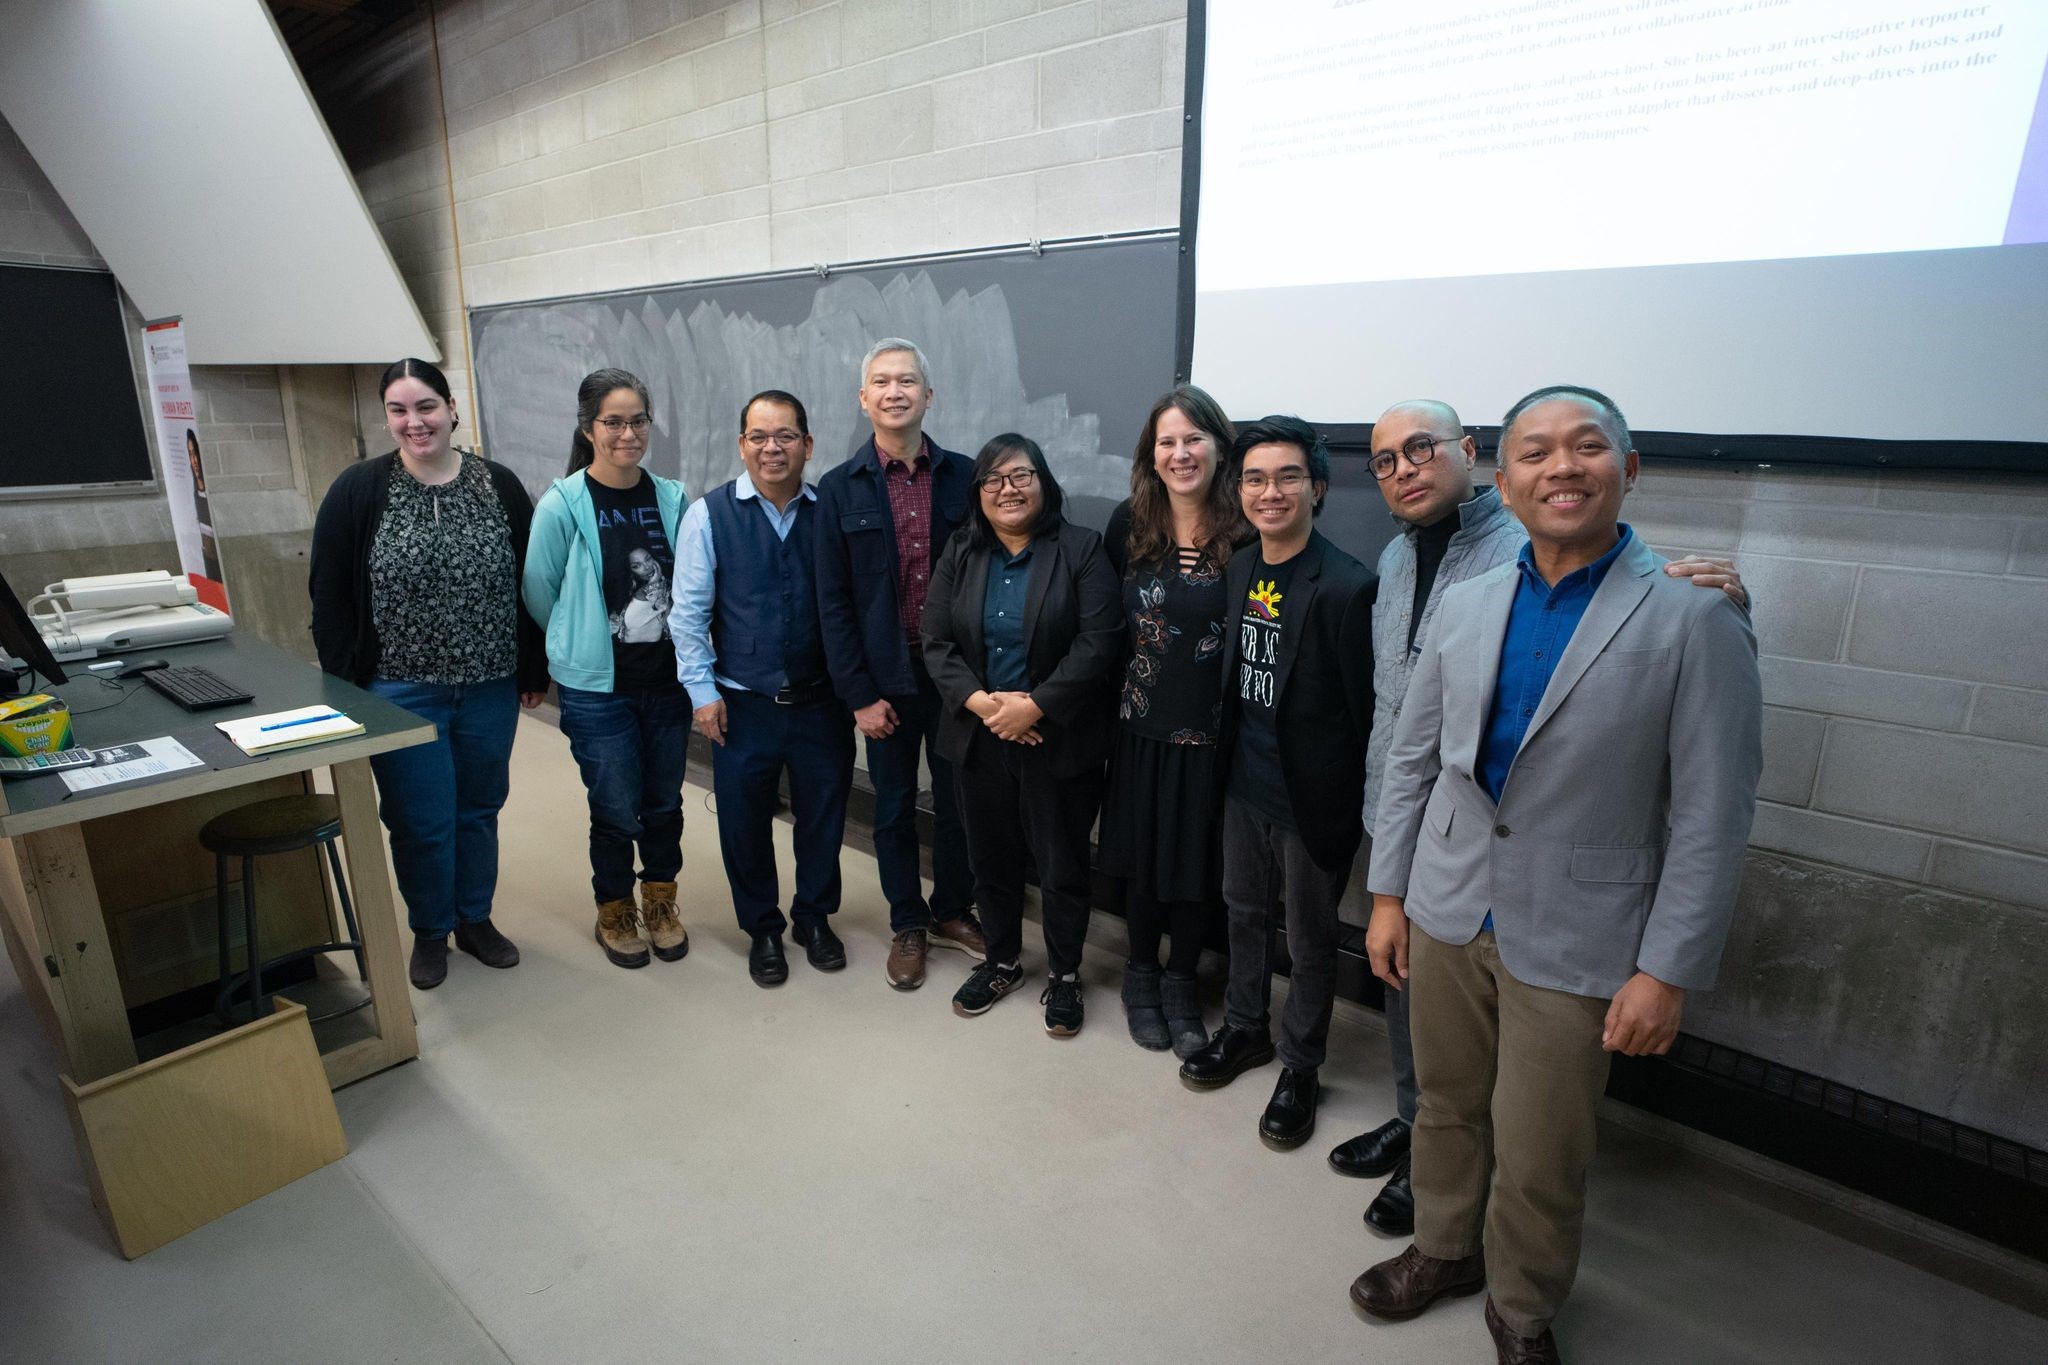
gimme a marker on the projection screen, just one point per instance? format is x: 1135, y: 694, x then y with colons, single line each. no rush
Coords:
x: 1802, y: 217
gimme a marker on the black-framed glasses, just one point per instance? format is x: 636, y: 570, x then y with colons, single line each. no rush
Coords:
x: 1019, y: 479
x: 615, y: 425
x: 1287, y: 481
x: 1417, y: 450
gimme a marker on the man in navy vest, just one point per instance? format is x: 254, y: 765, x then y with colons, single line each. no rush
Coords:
x: 748, y: 648
x: 883, y: 517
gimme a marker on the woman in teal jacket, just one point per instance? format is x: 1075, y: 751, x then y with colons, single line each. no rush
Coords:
x: 598, y: 568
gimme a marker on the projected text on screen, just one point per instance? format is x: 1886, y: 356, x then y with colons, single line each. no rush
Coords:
x: 1421, y: 141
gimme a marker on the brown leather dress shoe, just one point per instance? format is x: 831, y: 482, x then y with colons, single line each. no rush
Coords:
x: 906, y: 959
x: 1411, y: 1282
x: 963, y: 933
x: 1511, y: 1349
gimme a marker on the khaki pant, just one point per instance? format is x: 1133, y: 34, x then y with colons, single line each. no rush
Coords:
x: 1510, y: 1076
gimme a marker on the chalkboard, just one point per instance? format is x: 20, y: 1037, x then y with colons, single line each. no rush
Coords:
x: 1070, y: 347
x: 68, y: 379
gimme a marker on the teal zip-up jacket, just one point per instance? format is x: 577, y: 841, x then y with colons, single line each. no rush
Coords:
x: 564, y: 580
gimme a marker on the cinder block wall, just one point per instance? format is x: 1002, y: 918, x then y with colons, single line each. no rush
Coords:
x: 1891, y: 933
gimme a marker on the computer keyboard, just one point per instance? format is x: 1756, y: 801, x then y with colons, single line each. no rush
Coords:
x: 195, y: 689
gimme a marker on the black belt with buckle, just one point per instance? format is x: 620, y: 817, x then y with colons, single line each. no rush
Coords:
x: 804, y: 694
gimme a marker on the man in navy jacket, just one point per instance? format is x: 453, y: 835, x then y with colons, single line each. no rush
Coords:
x: 883, y: 517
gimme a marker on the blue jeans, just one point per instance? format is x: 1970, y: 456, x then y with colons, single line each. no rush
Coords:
x: 441, y: 800
x: 893, y: 769
x: 631, y: 747
x: 813, y: 742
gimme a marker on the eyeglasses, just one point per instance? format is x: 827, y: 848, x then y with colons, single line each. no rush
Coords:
x: 1019, y: 479
x: 761, y: 440
x: 1287, y: 481
x: 1416, y: 450
x: 615, y: 425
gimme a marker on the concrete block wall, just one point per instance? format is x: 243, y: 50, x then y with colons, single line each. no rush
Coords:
x: 611, y: 143
x: 1901, y: 618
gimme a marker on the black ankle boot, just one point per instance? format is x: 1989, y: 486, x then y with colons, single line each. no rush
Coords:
x: 1183, y: 1006
x: 1231, y: 1051
x: 1141, y: 1007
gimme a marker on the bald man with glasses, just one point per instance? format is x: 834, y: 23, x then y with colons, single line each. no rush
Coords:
x: 1450, y: 531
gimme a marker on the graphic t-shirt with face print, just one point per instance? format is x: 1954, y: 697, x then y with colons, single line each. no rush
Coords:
x: 639, y: 564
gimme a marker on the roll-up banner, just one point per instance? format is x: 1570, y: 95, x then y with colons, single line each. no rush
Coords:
x: 180, y: 458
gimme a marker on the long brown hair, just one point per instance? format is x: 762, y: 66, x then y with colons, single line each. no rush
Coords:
x: 1223, y: 524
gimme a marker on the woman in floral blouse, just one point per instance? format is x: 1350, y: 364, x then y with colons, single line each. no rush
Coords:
x: 415, y: 581
x: 1170, y: 541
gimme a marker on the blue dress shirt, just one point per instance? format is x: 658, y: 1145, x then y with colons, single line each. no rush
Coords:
x: 695, y: 588
x: 1002, y: 619
x: 1540, y: 625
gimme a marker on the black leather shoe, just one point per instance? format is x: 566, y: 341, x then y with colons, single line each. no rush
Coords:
x: 1370, y: 1155
x: 429, y: 967
x: 1393, y: 1212
x: 820, y: 945
x: 765, y: 962
x: 1290, y: 1117
x: 1231, y: 1051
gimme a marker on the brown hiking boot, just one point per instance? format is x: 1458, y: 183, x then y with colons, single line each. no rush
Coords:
x: 618, y: 933
x: 658, y: 915
x: 906, y: 959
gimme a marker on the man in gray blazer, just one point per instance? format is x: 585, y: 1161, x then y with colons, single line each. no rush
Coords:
x: 1561, y: 829
x: 1450, y: 531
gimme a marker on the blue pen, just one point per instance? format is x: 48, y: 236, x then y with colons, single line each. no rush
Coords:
x: 302, y: 720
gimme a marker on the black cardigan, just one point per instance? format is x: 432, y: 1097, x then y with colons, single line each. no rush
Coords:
x: 344, y: 632
x: 1073, y: 638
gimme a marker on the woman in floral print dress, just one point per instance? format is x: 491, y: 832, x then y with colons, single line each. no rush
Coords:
x: 1169, y: 541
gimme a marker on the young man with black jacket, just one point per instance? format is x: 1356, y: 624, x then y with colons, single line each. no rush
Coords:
x: 1297, y: 716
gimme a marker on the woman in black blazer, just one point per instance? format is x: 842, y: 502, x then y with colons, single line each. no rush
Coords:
x: 1023, y: 628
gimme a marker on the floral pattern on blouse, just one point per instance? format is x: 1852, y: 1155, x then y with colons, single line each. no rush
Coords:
x: 444, y: 581
x: 1176, y: 620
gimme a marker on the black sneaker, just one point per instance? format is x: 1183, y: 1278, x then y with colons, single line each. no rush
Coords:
x: 984, y: 986
x: 429, y: 967
x: 482, y: 941
x: 1062, y: 1001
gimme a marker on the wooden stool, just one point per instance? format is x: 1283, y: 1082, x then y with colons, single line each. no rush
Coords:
x: 281, y: 825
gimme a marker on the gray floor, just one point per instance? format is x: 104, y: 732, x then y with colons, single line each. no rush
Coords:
x: 592, y: 1165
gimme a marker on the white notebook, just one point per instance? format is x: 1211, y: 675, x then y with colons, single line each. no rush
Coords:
x: 288, y: 729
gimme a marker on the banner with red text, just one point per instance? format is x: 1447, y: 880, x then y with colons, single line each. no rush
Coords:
x: 172, y: 403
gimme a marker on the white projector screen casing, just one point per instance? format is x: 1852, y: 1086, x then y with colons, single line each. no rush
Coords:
x: 1350, y: 252
x: 183, y: 141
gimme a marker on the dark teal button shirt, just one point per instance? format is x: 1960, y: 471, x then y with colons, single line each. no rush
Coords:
x: 1002, y: 619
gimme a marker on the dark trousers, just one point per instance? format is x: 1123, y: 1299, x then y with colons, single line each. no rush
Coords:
x: 631, y: 748
x: 1267, y: 872
x: 893, y: 768
x: 1015, y: 807
x: 441, y: 800
x: 813, y: 743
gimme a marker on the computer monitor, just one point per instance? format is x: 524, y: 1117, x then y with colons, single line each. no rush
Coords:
x: 20, y: 638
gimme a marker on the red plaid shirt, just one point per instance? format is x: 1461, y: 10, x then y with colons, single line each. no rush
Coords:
x: 910, y: 505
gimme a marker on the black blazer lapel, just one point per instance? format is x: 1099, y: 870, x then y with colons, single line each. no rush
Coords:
x: 1045, y: 556
x: 1237, y: 583
x: 968, y: 592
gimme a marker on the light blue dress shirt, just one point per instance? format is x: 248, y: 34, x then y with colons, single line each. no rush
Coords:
x: 696, y: 587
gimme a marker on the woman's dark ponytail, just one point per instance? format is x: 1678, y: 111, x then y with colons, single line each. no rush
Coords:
x: 581, y: 453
